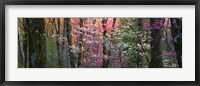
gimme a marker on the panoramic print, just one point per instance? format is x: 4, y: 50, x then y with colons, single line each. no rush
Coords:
x: 99, y: 42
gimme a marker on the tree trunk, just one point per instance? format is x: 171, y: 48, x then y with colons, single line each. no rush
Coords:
x: 21, y: 42
x: 80, y: 43
x: 105, y: 62
x: 156, y: 59
x: 71, y: 61
x: 60, y: 41
x: 176, y: 32
x: 26, y: 44
x: 37, y: 51
x: 67, y: 43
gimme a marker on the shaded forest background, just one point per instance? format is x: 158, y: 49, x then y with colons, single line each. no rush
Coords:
x: 100, y: 42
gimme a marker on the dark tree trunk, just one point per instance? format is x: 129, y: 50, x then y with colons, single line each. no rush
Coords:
x: 156, y: 59
x: 105, y: 62
x: 26, y: 44
x: 59, y: 43
x: 111, y: 41
x: 104, y: 35
x: 37, y: 49
x: 67, y: 43
x: 71, y: 58
x: 176, y: 32
x: 80, y: 43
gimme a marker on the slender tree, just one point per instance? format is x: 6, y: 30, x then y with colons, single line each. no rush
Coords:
x: 80, y: 43
x: 21, y: 42
x: 35, y: 29
x: 62, y: 43
x: 70, y: 44
x: 177, y: 36
x: 156, y: 59
x: 67, y: 42
x: 59, y: 41
x: 105, y: 62
x: 26, y: 44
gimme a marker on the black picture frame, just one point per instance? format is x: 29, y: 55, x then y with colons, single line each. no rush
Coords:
x: 98, y: 2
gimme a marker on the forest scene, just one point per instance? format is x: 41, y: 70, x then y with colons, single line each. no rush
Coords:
x: 99, y: 42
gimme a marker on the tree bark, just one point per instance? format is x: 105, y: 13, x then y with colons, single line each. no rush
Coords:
x: 21, y: 42
x: 26, y: 44
x: 58, y: 41
x: 105, y: 61
x: 67, y: 43
x: 176, y: 32
x: 156, y: 59
x: 80, y: 42
x: 35, y: 28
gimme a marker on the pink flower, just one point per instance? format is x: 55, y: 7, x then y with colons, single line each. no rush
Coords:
x: 84, y: 60
x: 75, y: 21
x: 145, y: 25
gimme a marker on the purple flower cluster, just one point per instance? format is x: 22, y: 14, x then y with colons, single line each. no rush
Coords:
x: 170, y: 53
x: 158, y: 24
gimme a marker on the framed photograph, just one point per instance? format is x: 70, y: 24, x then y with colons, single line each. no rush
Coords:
x: 108, y: 42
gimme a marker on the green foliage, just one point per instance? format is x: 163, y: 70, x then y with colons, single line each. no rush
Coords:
x: 51, y: 51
